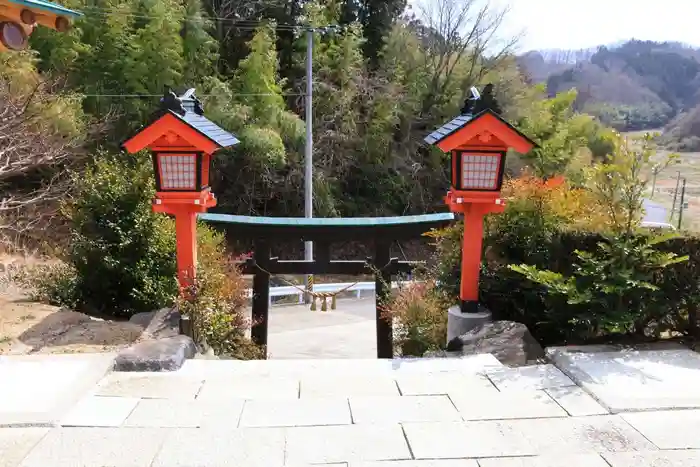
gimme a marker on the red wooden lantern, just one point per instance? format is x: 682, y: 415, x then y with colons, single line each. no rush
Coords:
x: 478, y: 142
x: 182, y: 142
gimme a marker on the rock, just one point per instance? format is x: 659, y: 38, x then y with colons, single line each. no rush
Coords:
x: 168, y: 354
x: 143, y: 319
x: 52, y: 327
x: 509, y: 342
x: 165, y: 323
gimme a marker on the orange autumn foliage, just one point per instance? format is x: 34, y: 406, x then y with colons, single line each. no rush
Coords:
x: 575, y: 207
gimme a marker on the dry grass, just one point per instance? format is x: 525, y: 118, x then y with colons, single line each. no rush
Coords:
x: 689, y: 168
x: 31, y: 327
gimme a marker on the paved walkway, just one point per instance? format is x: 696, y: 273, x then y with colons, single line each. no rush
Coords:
x: 296, y: 332
x: 469, y: 412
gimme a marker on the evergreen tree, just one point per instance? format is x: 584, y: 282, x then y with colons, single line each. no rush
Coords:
x: 377, y: 18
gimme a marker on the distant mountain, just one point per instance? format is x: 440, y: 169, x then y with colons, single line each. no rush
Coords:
x: 633, y: 85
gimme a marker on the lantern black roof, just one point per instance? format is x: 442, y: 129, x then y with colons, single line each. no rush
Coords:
x: 447, y: 129
x: 189, y: 109
x: 474, y: 107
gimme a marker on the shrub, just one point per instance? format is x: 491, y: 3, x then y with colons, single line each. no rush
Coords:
x: 122, y: 259
x: 420, y: 319
x: 611, y: 289
x: 55, y: 284
x: 604, y: 280
x: 122, y: 252
x: 215, y: 302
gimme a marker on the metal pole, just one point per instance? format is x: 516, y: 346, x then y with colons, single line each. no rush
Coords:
x: 675, y: 194
x: 680, y: 208
x: 308, y: 159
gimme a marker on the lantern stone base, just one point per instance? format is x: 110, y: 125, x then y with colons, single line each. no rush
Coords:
x: 459, y: 323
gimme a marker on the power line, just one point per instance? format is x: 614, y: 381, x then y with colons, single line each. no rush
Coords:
x: 238, y: 23
x: 290, y: 94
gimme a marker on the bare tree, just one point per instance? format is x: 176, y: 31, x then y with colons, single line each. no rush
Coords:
x: 36, y: 153
x: 229, y: 15
x: 461, y: 33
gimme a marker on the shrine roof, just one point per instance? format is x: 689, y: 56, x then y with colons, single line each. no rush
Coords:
x: 186, y: 110
x: 207, y: 128
x: 462, y: 121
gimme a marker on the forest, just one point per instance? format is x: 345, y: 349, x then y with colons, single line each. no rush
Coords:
x: 634, y: 85
x: 385, y: 75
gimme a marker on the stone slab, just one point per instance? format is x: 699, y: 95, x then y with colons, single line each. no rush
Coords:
x: 411, y: 384
x: 348, y: 386
x: 575, y: 460
x: 350, y: 443
x: 351, y: 340
x: 148, y: 386
x: 465, y: 440
x: 100, y: 411
x: 472, y: 364
x: 576, y: 401
x: 634, y: 380
x: 234, y: 369
x: 298, y: 412
x: 166, y: 354
x: 192, y: 447
x: 529, y: 378
x: 15, y: 444
x: 423, y: 463
x: 507, y: 405
x: 167, y: 413
x: 402, y: 409
x: 513, y: 438
x: 38, y: 389
x: 228, y: 370
x: 653, y: 459
x: 674, y: 429
x: 249, y: 387
x: 91, y: 447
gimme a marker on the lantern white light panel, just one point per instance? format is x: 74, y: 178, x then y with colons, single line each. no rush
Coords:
x: 178, y: 172
x: 480, y: 172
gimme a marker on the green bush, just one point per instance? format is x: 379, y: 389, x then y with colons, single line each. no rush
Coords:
x: 638, y: 300
x: 122, y: 252
x: 55, y: 284
x: 121, y: 256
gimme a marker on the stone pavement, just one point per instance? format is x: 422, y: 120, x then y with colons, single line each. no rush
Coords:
x: 470, y: 412
x: 666, y: 376
x: 296, y: 332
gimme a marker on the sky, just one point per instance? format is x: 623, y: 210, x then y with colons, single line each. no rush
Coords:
x: 579, y: 24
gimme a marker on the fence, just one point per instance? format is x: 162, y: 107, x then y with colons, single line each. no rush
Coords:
x: 324, y: 288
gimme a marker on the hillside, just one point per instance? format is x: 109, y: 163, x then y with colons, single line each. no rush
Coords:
x: 636, y: 85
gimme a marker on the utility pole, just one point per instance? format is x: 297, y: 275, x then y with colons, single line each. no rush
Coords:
x: 308, y: 154
x: 653, y: 184
x: 680, y: 209
x: 675, y: 194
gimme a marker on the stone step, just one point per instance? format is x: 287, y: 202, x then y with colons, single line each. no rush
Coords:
x: 36, y: 390
x: 476, y: 364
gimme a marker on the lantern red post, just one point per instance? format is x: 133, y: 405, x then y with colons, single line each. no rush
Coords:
x: 182, y: 142
x: 478, y: 142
